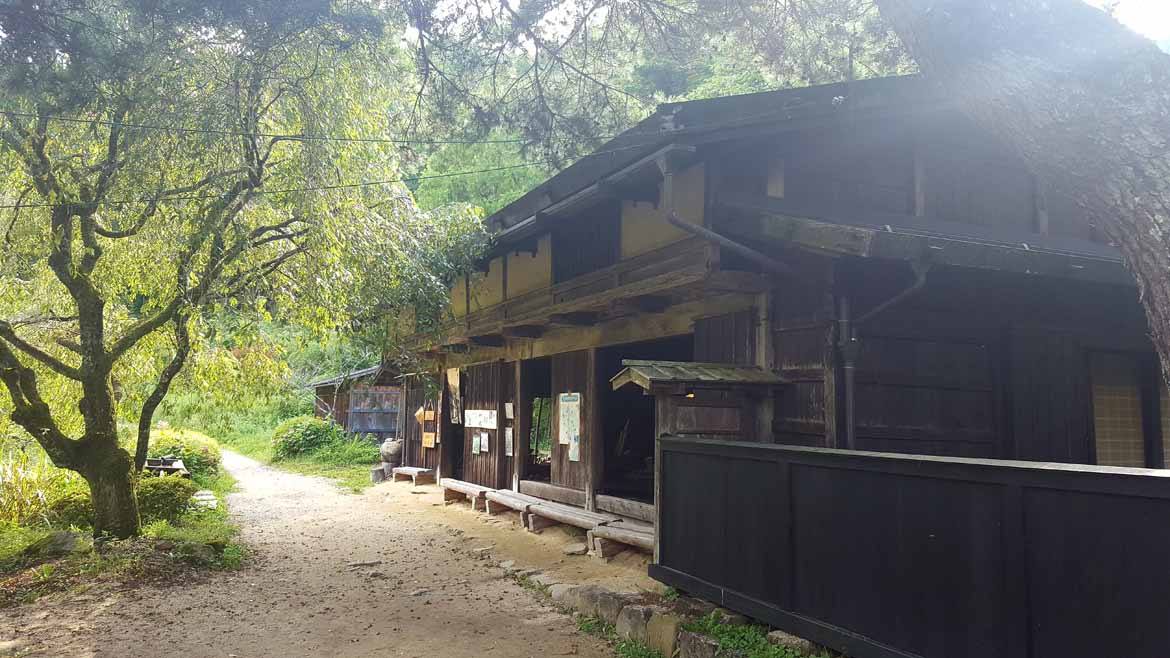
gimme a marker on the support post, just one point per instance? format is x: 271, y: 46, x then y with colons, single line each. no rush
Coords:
x: 595, y: 448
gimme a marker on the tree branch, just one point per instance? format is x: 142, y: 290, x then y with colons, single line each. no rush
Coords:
x: 7, y: 333
x: 146, y: 418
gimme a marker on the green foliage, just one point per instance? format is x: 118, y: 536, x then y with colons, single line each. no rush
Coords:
x: 29, y: 483
x: 72, y: 509
x: 748, y: 640
x: 488, y: 191
x: 164, y: 498
x: 302, y: 435
x: 200, y: 453
x: 14, y: 540
x: 360, y: 450
x: 595, y: 626
x: 631, y: 649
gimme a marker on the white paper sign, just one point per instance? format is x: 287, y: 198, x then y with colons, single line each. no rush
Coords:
x: 486, y: 419
x: 508, y: 411
x: 484, y: 443
x: 569, y: 416
x: 575, y: 448
x: 507, y: 441
x: 475, y: 443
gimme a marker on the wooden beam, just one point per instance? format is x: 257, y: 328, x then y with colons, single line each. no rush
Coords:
x: 640, y: 304
x: 523, y: 331
x: 488, y: 340
x: 574, y: 319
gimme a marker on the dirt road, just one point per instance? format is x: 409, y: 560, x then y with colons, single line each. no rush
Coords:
x: 435, y: 589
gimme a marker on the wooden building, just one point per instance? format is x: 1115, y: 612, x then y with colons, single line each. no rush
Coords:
x: 365, y: 401
x: 911, y: 285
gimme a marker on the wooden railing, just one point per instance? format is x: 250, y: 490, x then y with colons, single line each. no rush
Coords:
x: 881, y: 555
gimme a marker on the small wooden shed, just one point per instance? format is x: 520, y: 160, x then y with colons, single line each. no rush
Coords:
x: 365, y: 401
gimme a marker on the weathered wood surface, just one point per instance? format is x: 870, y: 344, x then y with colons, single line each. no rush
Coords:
x: 964, y: 558
x: 625, y: 507
x: 641, y: 536
x: 553, y: 492
x: 414, y: 474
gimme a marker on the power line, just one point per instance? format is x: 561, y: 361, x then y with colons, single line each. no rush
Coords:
x: 266, y: 135
x: 318, y: 188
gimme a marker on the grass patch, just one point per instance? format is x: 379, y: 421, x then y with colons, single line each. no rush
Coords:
x: 749, y: 640
x: 198, y: 539
x: 600, y: 628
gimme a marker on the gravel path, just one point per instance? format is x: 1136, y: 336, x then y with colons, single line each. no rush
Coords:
x: 429, y: 593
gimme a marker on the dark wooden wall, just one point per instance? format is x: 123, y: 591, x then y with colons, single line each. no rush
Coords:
x: 482, y: 389
x: 928, y: 390
x: 729, y: 338
x: 588, y: 242
x: 507, y: 395
x: 865, y: 171
x: 961, y: 558
x: 570, y: 374
x: 415, y: 394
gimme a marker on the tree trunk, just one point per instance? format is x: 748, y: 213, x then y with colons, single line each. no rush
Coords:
x: 1083, y: 100
x: 109, y: 470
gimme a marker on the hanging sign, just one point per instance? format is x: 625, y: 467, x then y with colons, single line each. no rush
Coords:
x: 485, y: 419
x: 507, y: 441
x: 428, y: 439
x: 456, y: 400
x: 569, y: 415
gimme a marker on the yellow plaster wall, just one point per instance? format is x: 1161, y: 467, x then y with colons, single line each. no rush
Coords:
x: 528, y: 271
x: 459, y: 298
x: 644, y: 227
x: 487, y: 290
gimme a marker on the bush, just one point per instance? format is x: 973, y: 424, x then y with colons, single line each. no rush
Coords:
x: 344, y: 452
x: 72, y: 508
x: 302, y: 435
x: 199, y: 452
x: 164, y: 498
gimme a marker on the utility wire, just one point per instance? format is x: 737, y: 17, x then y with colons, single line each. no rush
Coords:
x: 233, y: 133
x: 320, y: 188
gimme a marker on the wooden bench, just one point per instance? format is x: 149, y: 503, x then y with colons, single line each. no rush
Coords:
x: 454, y: 490
x: 504, y: 499
x: 545, y: 513
x: 414, y: 474
x: 601, y: 539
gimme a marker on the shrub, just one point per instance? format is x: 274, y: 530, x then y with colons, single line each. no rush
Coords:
x: 302, y: 435
x: 159, y: 498
x: 164, y: 498
x: 345, y: 452
x: 72, y: 508
x: 199, y: 452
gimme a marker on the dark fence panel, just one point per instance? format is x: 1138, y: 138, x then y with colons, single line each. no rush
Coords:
x: 882, y: 555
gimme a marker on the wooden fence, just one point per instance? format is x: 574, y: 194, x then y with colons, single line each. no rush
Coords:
x: 879, y: 555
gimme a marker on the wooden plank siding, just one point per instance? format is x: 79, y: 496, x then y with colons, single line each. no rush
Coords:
x: 727, y: 338
x: 482, y: 389
x: 414, y: 395
x: 963, y: 558
x: 570, y: 374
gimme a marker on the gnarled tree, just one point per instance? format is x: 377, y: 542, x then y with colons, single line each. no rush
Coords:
x: 158, y: 158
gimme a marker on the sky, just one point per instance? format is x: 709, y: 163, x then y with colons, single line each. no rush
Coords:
x: 1150, y: 18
